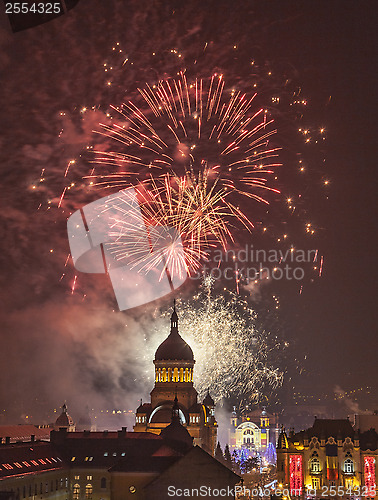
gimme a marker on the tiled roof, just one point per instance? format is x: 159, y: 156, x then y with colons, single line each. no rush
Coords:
x: 26, y: 458
x: 101, y: 449
x: 23, y: 432
x: 325, y: 428
x: 369, y: 440
x: 144, y: 464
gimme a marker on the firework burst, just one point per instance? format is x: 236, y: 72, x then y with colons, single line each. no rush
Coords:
x: 233, y: 358
x: 189, y: 148
x: 182, y: 127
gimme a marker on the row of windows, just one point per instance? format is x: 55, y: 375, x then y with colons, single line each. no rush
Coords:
x: 106, y: 454
x: 88, y: 491
x: 90, y: 478
x: 140, y: 420
x: 175, y: 375
x: 37, y: 463
x: 194, y: 419
x: 29, y: 491
x: 348, y: 466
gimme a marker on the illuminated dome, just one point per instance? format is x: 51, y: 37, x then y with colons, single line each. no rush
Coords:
x: 174, y: 346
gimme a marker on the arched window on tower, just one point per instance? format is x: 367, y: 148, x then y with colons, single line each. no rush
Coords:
x: 175, y: 377
x: 164, y: 375
x: 186, y: 376
x: 181, y: 374
x: 169, y: 374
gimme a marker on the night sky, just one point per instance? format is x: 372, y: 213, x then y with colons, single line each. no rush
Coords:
x: 60, y: 346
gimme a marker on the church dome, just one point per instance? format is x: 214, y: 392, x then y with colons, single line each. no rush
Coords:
x: 174, y: 346
x: 208, y: 401
x: 64, y: 420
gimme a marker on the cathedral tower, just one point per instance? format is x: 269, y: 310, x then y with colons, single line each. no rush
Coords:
x: 174, y: 365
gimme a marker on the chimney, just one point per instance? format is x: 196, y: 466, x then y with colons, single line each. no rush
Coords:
x: 122, y: 433
x: 7, y: 440
x: 32, y: 438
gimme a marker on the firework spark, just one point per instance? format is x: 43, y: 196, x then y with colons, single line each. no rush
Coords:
x: 183, y: 127
x: 191, y: 147
x: 233, y: 357
x: 182, y: 211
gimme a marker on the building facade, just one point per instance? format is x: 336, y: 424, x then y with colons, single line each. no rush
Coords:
x: 253, y: 430
x: 328, y: 459
x: 174, y: 366
x: 106, y: 465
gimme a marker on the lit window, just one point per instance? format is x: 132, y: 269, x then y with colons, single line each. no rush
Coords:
x: 76, y: 492
x: 73, y: 459
x: 18, y: 465
x: 90, y: 459
x: 315, y: 483
x: 348, y: 466
x: 314, y: 465
x: 88, y: 492
x: 132, y: 489
x: 77, y: 478
x: 41, y: 461
x: 114, y: 454
x: 34, y: 462
x: 26, y: 464
x: 89, y: 478
x: 123, y: 454
x: 106, y: 454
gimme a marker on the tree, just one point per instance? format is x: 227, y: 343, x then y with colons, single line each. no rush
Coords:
x: 219, y: 454
x: 227, y: 457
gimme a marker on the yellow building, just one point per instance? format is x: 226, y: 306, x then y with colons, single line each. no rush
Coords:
x: 330, y: 456
x: 174, y: 365
x: 253, y: 430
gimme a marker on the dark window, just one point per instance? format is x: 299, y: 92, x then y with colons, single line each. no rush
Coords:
x: 40, y: 489
x: 103, y: 482
x: 30, y: 490
x: 24, y: 491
